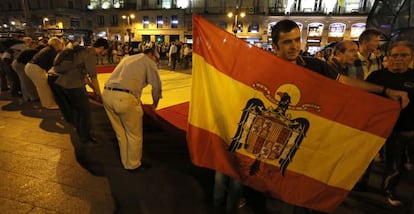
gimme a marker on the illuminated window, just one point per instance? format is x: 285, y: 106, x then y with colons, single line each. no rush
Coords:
x: 160, y: 22
x: 182, y: 3
x: 166, y: 4
x: 145, y: 22
x: 253, y: 28
x: 352, y: 6
x: 174, y: 21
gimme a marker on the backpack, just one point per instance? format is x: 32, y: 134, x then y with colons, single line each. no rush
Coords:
x: 64, y: 61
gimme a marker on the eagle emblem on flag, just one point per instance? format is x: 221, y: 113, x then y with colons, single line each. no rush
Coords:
x: 270, y: 133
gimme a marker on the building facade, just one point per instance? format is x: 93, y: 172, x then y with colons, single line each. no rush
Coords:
x: 321, y: 21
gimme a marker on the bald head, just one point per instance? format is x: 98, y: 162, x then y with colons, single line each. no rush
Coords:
x: 346, y: 52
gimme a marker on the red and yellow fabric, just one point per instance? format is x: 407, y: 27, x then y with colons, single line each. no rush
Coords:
x: 346, y: 130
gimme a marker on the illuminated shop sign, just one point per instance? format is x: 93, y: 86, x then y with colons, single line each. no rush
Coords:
x: 357, y: 29
x: 336, y: 30
x: 315, y: 29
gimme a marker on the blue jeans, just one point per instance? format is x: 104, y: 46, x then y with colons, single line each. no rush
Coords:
x: 227, y: 191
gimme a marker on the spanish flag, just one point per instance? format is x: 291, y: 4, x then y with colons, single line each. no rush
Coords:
x: 278, y: 127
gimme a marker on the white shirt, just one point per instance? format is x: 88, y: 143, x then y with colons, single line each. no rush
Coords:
x: 134, y: 73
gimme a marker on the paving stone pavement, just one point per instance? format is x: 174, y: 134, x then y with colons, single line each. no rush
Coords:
x: 38, y: 169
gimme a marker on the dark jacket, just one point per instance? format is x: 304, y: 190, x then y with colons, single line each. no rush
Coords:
x: 44, y: 58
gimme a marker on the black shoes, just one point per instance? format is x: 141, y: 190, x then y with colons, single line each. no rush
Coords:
x: 143, y: 167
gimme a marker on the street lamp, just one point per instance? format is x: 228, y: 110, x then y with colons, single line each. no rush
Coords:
x: 236, y: 14
x: 128, y: 18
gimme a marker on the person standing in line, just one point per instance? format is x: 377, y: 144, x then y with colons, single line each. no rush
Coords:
x: 344, y: 55
x: 37, y: 70
x: 398, y: 76
x: 121, y: 99
x: 73, y: 86
x: 286, y: 42
x: 368, y: 61
x: 173, y: 55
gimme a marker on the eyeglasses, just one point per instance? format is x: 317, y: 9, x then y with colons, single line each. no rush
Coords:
x: 402, y: 55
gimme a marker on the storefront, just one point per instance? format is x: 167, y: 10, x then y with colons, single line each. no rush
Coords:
x: 314, y: 37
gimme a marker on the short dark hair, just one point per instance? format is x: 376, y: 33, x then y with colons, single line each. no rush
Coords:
x: 101, y: 42
x: 368, y: 34
x: 283, y: 26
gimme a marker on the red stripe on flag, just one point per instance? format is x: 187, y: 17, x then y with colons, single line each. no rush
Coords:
x: 176, y: 115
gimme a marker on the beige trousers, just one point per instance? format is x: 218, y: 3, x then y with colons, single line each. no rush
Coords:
x: 39, y: 78
x: 125, y: 113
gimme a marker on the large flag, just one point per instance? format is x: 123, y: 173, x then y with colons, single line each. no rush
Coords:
x: 277, y: 127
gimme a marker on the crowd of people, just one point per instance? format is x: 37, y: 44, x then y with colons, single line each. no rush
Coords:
x: 171, y: 54
x: 36, y: 72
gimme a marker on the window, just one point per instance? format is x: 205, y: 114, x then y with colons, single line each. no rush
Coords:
x: 166, y: 4
x: 160, y: 22
x: 174, y: 21
x: 307, y: 6
x: 101, y: 21
x: 174, y: 38
x: 253, y: 28
x: 74, y: 23
x: 352, y: 6
x: 146, y: 38
x: 70, y: 4
x: 145, y: 22
x: 118, y: 3
x: 114, y: 21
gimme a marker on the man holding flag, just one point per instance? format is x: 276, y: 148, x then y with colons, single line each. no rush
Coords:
x: 286, y: 44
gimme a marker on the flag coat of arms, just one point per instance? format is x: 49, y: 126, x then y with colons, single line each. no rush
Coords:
x: 278, y: 127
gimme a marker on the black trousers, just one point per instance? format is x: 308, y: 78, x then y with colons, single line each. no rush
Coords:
x: 61, y: 99
x: 79, y: 105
